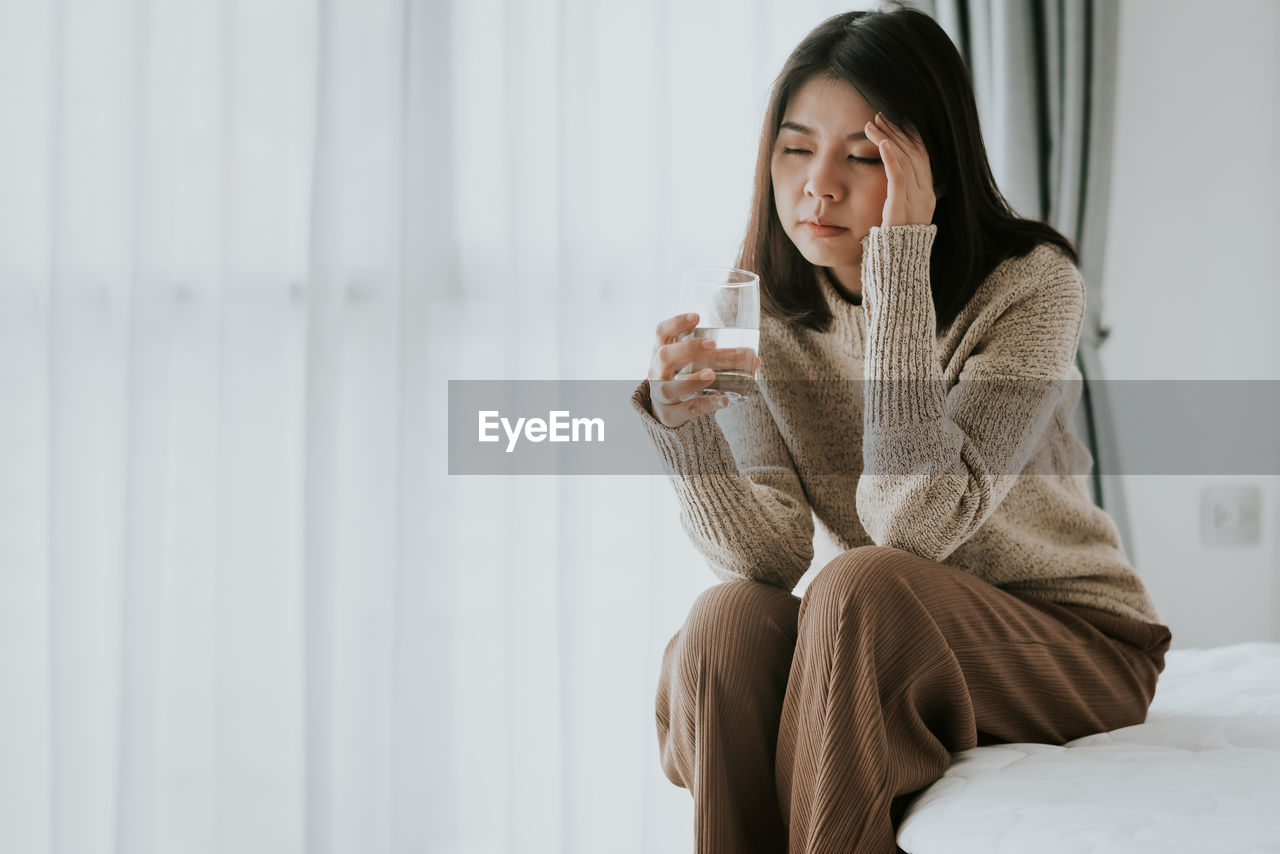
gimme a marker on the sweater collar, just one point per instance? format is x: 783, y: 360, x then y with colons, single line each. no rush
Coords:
x: 835, y: 299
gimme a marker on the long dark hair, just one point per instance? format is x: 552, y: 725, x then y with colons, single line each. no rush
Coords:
x: 903, y: 64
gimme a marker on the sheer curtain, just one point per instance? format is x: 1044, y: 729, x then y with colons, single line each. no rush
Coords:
x: 243, y: 605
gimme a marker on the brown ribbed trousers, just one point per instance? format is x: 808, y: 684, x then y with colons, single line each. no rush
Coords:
x: 809, y: 725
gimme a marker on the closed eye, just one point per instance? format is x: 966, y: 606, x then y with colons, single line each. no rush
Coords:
x: 851, y: 157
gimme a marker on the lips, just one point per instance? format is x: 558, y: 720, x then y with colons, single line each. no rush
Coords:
x: 819, y: 228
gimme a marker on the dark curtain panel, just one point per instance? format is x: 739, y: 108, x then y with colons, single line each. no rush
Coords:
x: 1044, y: 73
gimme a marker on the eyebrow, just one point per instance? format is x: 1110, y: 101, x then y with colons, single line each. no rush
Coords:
x: 862, y: 134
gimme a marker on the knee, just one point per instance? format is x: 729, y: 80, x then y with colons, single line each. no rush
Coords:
x: 740, y: 621
x: 867, y: 574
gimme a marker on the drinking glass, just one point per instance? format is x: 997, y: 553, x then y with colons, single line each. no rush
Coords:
x: 727, y: 301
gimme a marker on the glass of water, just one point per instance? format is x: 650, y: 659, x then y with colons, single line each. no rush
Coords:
x: 727, y: 302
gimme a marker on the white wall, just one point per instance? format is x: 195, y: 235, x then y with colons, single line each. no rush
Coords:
x: 1191, y: 284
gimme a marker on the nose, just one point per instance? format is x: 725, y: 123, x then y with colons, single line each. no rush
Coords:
x: 825, y: 180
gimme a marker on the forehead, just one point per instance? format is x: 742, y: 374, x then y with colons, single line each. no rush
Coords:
x: 828, y: 106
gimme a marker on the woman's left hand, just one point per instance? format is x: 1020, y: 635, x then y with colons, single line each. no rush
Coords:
x: 911, y: 198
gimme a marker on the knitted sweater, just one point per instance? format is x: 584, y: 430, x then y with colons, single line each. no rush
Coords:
x: 935, y: 467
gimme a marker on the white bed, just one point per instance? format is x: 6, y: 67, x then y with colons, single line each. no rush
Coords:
x: 1201, y: 776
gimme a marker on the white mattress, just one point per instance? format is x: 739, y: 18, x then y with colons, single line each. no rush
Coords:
x: 1201, y: 776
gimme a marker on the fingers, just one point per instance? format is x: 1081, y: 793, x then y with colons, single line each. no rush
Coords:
x: 703, y: 405
x: 907, y: 140
x: 912, y: 196
x: 696, y: 355
x: 680, y: 369
x: 917, y: 155
x: 899, y: 153
x: 697, y: 373
x: 729, y: 359
x: 673, y: 392
x: 670, y: 358
x: 897, y: 196
x: 671, y: 327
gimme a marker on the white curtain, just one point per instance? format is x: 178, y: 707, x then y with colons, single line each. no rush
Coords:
x: 243, y: 606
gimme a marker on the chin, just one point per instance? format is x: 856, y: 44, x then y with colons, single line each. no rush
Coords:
x: 823, y: 257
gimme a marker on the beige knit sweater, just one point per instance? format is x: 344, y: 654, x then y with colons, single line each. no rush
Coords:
x: 936, y: 467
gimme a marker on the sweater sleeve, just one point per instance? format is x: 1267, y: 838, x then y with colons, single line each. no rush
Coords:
x: 937, y: 462
x: 741, y: 501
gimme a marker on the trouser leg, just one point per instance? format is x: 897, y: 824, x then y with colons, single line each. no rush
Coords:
x: 900, y: 661
x: 719, y: 698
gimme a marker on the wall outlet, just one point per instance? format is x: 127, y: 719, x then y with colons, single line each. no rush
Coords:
x: 1230, y: 515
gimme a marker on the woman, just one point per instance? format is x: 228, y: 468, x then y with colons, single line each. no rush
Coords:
x: 914, y: 342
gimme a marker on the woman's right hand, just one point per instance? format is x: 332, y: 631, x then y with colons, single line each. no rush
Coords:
x: 675, y: 401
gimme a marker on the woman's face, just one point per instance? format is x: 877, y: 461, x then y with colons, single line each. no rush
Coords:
x: 824, y: 168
